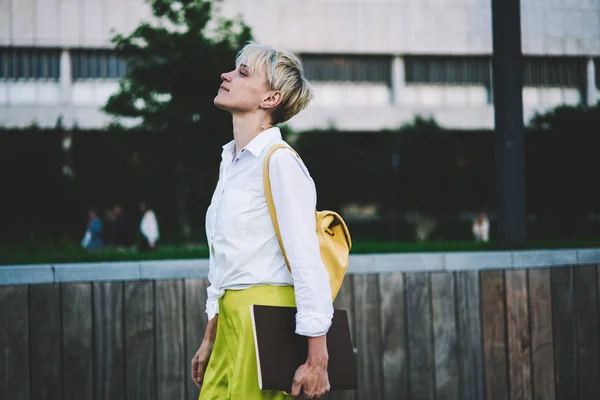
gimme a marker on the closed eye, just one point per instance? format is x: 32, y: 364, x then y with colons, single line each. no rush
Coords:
x: 244, y: 70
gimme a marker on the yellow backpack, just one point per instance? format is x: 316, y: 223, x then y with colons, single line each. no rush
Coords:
x: 334, y: 239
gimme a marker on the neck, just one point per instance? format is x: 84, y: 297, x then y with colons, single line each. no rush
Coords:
x: 246, y: 128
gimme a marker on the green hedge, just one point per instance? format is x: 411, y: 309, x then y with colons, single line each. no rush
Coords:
x: 419, y: 167
x: 53, y: 255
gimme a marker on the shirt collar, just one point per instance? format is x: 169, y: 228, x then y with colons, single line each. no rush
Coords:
x: 256, y: 145
x: 228, y: 149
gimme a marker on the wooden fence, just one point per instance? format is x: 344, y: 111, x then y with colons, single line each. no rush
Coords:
x: 517, y: 333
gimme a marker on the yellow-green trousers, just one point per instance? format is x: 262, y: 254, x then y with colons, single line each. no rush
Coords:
x: 231, y: 373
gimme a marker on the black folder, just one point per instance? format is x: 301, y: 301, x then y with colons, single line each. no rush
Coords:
x: 280, y: 351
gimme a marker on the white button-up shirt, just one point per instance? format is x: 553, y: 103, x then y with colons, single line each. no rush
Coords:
x: 244, y: 250
x: 149, y: 227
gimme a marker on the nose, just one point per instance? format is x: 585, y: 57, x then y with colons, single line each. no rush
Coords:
x: 225, y: 76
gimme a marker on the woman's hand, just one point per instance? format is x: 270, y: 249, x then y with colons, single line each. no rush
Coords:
x: 311, y: 378
x: 202, y: 356
x: 200, y: 361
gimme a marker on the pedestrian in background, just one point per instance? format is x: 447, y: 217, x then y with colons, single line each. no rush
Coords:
x: 92, y: 240
x: 148, y: 228
x: 481, y: 228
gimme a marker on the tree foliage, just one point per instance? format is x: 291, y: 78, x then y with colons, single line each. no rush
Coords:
x: 561, y: 165
x: 174, y: 66
x: 567, y: 118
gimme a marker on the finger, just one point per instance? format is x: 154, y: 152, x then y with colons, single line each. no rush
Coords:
x: 199, y: 379
x: 194, y: 368
x: 315, y: 394
x: 296, y: 387
x: 310, y: 391
x: 201, y: 372
x: 321, y: 392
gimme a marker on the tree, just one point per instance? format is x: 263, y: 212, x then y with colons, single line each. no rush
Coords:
x: 174, y: 67
x: 561, y: 162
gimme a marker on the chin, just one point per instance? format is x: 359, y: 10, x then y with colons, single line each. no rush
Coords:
x: 219, y: 103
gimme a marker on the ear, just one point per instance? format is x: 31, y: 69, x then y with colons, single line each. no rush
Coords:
x: 271, y: 100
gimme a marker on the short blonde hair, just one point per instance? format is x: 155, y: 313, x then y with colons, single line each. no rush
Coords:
x: 285, y: 73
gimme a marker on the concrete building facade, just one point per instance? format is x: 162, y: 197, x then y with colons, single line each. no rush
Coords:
x: 373, y: 63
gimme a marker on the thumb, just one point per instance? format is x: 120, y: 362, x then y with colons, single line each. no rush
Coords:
x: 296, y: 387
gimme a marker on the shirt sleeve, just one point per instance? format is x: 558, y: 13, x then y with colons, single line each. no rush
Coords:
x: 212, y: 301
x: 295, y: 200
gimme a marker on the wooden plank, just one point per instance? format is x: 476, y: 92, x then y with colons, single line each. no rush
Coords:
x: 468, y: 304
x: 542, y: 342
x: 78, y: 357
x: 368, y: 336
x: 565, y: 335
x: 109, y: 351
x: 493, y: 316
x: 444, y: 336
x: 195, y: 325
x: 170, y: 358
x: 519, y: 340
x: 586, y: 320
x: 419, y: 335
x: 14, y: 343
x: 344, y: 301
x: 393, y: 328
x: 45, y: 342
x: 139, y: 341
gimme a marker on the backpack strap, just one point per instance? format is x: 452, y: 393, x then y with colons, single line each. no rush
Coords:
x: 269, y: 196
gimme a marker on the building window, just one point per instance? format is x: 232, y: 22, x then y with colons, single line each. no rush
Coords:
x: 97, y: 64
x: 22, y: 63
x: 554, y: 71
x: 347, y: 68
x: 453, y: 70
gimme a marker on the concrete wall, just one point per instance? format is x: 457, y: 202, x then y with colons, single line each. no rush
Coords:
x: 67, y: 23
x: 390, y: 27
x: 345, y: 26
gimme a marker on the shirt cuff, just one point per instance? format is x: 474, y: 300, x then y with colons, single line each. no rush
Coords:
x: 212, y: 308
x: 312, y: 324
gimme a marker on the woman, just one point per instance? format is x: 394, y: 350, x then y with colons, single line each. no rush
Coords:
x: 247, y: 266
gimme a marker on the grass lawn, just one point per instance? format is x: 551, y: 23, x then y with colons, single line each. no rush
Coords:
x: 11, y: 255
